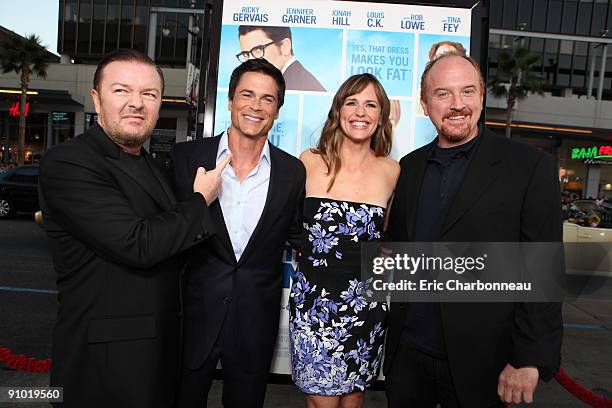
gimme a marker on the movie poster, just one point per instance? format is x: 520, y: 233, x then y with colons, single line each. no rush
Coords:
x: 317, y: 44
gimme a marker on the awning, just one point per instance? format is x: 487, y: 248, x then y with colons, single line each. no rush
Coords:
x: 175, y: 103
x: 41, y: 100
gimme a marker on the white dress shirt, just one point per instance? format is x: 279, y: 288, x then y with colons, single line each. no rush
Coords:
x: 242, y: 203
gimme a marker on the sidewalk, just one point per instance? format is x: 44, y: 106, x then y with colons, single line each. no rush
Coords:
x: 587, y: 357
x: 27, y: 319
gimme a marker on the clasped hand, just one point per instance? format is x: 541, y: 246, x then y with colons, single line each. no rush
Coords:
x: 517, y: 385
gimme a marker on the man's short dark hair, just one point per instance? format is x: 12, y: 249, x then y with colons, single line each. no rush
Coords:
x: 274, y: 33
x: 264, y: 67
x: 125, y: 54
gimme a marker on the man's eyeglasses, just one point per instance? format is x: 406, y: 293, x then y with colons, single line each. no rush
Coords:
x: 255, y: 52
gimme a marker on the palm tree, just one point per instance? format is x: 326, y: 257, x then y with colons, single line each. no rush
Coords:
x: 24, y: 56
x: 514, y: 80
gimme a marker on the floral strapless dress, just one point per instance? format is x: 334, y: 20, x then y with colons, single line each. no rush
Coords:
x: 336, y: 329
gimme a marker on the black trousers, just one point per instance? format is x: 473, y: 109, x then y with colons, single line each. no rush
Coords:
x: 240, y: 388
x: 418, y: 380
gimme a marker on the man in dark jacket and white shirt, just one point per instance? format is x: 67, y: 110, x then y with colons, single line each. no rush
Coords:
x: 234, y: 281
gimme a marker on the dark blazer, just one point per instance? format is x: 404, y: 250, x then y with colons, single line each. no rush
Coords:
x: 298, y: 78
x: 248, y: 291
x: 114, y: 241
x: 510, y: 193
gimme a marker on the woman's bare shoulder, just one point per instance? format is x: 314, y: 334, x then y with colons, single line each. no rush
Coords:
x: 311, y: 158
x: 389, y: 166
x: 307, y: 155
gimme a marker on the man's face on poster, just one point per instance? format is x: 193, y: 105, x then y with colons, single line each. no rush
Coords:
x: 273, y: 52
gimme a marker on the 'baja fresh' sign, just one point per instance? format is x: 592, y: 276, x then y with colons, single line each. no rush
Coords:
x: 592, y: 152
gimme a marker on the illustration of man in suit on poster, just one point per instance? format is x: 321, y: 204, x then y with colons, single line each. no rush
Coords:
x: 275, y: 45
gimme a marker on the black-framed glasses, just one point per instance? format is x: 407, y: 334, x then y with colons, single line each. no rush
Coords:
x: 255, y: 52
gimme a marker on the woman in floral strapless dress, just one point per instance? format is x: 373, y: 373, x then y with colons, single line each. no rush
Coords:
x: 336, y: 328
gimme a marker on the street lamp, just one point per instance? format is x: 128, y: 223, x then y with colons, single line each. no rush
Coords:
x: 193, y: 30
x: 166, y: 31
x: 521, y: 27
x: 203, y: 116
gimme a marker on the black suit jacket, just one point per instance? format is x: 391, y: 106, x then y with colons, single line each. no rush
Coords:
x: 247, y: 291
x: 510, y: 193
x: 113, y: 240
x: 299, y: 78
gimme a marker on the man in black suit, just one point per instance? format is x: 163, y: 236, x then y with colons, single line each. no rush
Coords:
x: 115, y: 228
x: 233, y: 283
x: 275, y: 44
x: 471, y: 185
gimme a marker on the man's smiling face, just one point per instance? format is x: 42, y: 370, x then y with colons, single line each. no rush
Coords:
x: 254, y: 105
x: 453, y: 100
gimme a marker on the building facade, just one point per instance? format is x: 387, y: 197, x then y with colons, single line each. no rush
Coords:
x: 60, y: 106
x: 573, y: 42
x: 88, y: 29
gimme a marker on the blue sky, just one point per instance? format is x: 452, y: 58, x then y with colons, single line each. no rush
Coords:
x: 32, y: 17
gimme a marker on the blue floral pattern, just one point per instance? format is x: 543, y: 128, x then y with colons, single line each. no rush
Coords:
x: 336, y: 329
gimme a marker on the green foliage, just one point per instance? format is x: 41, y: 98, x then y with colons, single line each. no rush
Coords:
x: 515, y: 79
x: 515, y: 76
x: 24, y: 54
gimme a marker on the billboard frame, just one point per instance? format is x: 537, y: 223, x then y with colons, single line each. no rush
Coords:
x: 479, y: 39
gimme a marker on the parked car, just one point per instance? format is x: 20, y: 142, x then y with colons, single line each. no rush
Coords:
x: 591, y: 255
x: 19, y: 191
x: 590, y: 214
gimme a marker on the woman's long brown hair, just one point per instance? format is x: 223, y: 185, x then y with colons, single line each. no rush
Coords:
x: 331, y: 135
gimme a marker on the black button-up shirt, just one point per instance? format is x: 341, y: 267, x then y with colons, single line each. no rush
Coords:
x: 444, y: 173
